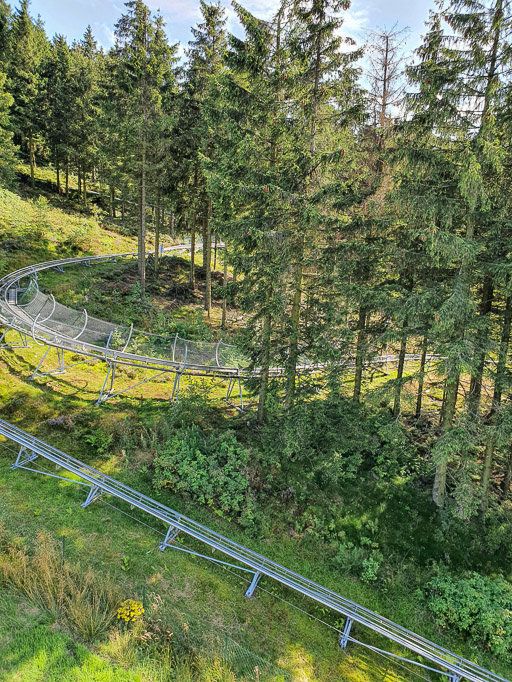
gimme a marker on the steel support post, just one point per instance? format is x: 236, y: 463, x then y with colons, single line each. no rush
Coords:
x: 240, y: 391
x: 252, y: 586
x: 18, y: 344
x: 346, y: 633
x: 454, y: 677
x: 172, y: 532
x: 24, y: 457
x: 34, y: 374
x: 176, y: 388
x: 109, y: 370
x: 94, y: 493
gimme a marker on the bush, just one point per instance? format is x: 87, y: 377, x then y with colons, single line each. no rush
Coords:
x: 477, y: 605
x: 213, y: 469
x: 362, y: 561
x: 332, y: 441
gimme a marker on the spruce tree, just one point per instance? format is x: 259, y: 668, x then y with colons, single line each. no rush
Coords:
x: 27, y: 50
x: 7, y: 149
x: 142, y: 70
x: 325, y: 96
x: 452, y: 157
x: 205, y: 55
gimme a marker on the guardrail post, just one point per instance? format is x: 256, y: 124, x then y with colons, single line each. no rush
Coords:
x: 172, y: 532
x: 454, y: 677
x: 252, y: 586
x: 93, y: 495
x: 345, y: 634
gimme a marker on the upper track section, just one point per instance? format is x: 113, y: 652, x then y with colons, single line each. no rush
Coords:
x: 25, y: 308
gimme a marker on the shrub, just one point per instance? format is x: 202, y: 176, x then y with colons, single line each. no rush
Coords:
x: 211, y: 468
x: 363, y: 561
x: 477, y: 605
x: 332, y: 441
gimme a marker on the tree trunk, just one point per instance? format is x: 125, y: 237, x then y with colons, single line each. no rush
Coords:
x: 207, y: 258
x: 265, y: 363
x: 450, y: 404
x: 172, y: 220
x: 192, y: 277
x: 112, y: 206
x: 498, y: 390
x: 361, y: 337
x: 142, y: 228
x: 293, y: 349
x: 507, y: 481
x: 67, y: 179
x: 93, y: 174
x: 123, y: 213
x: 79, y: 183
x: 85, y: 187
x: 475, y: 389
x: 421, y: 377
x: 400, y: 370
x: 32, y: 155
x: 58, y: 178
x: 157, y: 235
x: 215, y: 254
x: 225, y: 298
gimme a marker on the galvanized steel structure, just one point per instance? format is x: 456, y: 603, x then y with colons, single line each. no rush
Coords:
x: 35, y: 315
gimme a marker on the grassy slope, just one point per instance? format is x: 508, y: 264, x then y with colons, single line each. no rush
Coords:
x: 205, y: 595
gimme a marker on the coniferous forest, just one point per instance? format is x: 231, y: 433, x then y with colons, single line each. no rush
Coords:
x: 353, y: 208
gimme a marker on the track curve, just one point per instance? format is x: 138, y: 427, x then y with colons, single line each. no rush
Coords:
x: 38, y: 315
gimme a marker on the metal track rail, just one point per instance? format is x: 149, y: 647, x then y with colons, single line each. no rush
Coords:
x: 15, y: 317
x: 449, y: 663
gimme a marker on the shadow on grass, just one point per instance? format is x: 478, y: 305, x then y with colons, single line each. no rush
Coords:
x: 40, y: 654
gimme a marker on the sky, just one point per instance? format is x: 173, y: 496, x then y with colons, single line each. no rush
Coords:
x: 70, y: 17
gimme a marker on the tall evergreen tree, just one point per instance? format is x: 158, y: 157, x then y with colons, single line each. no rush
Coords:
x: 452, y: 158
x: 7, y: 149
x: 205, y: 55
x: 143, y: 69
x: 27, y: 49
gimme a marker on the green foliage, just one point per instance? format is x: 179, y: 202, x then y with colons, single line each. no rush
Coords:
x: 477, y: 605
x: 335, y: 440
x: 213, y: 469
x: 363, y: 560
x: 99, y: 441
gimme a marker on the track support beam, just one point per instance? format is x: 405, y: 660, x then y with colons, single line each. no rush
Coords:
x: 94, y: 493
x: 25, y: 456
x: 17, y: 344
x: 252, y: 586
x: 172, y: 532
x: 346, y: 633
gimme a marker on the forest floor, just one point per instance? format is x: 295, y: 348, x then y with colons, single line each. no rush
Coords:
x: 197, y: 598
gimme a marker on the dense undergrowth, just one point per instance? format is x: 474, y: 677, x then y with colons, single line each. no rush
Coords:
x: 334, y: 490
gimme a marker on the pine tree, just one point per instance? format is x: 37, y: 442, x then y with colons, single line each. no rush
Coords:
x: 452, y: 159
x: 142, y: 63
x: 27, y: 50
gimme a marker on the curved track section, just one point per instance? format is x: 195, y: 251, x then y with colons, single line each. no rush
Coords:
x: 26, y: 309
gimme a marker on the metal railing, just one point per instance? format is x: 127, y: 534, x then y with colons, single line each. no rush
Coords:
x: 457, y: 668
x: 16, y: 317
